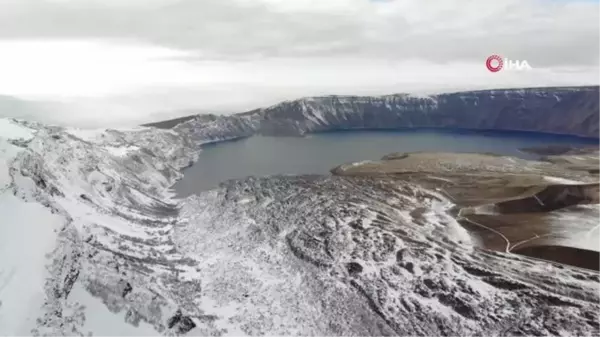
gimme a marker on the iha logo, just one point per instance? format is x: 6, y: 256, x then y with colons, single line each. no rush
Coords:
x: 495, y: 63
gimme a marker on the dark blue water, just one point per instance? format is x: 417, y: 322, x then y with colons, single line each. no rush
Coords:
x: 318, y: 153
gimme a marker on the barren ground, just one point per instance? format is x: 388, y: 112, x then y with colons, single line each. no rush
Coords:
x: 545, y: 209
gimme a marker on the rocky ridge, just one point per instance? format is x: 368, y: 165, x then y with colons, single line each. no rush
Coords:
x: 566, y: 110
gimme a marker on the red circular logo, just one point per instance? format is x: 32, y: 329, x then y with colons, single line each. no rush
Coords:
x: 494, y: 63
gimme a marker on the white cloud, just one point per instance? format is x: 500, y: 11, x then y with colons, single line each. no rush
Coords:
x: 82, y: 68
x: 137, y: 58
x: 543, y: 30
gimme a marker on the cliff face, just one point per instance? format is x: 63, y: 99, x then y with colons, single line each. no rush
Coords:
x: 568, y: 110
x: 572, y: 111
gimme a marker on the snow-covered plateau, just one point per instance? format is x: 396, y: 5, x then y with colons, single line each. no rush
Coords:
x: 92, y: 241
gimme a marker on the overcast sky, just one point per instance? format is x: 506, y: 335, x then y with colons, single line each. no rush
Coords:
x: 121, y: 62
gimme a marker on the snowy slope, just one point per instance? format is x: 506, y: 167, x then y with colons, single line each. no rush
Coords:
x: 28, y: 231
x: 69, y: 199
x: 317, y: 255
x: 93, y: 243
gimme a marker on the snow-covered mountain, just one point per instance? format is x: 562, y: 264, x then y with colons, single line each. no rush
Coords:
x: 81, y: 211
x: 92, y: 241
x: 568, y: 110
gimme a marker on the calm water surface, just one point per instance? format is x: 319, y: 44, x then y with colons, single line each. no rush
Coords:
x: 318, y: 153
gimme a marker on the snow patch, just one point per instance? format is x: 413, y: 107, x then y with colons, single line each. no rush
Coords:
x: 100, y: 321
x: 87, y: 134
x: 559, y: 180
x: 121, y: 151
x: 11, y: 130
x: 438, y: 215
x: 28, y: 232
x: 355, y: 164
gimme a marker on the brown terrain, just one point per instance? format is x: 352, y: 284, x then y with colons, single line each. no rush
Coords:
x: 547, y: 209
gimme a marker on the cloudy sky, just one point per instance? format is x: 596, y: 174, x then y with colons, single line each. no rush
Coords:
x: 122, y: 62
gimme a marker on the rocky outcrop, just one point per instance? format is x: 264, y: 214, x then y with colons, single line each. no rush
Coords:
x: 211, y: 128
